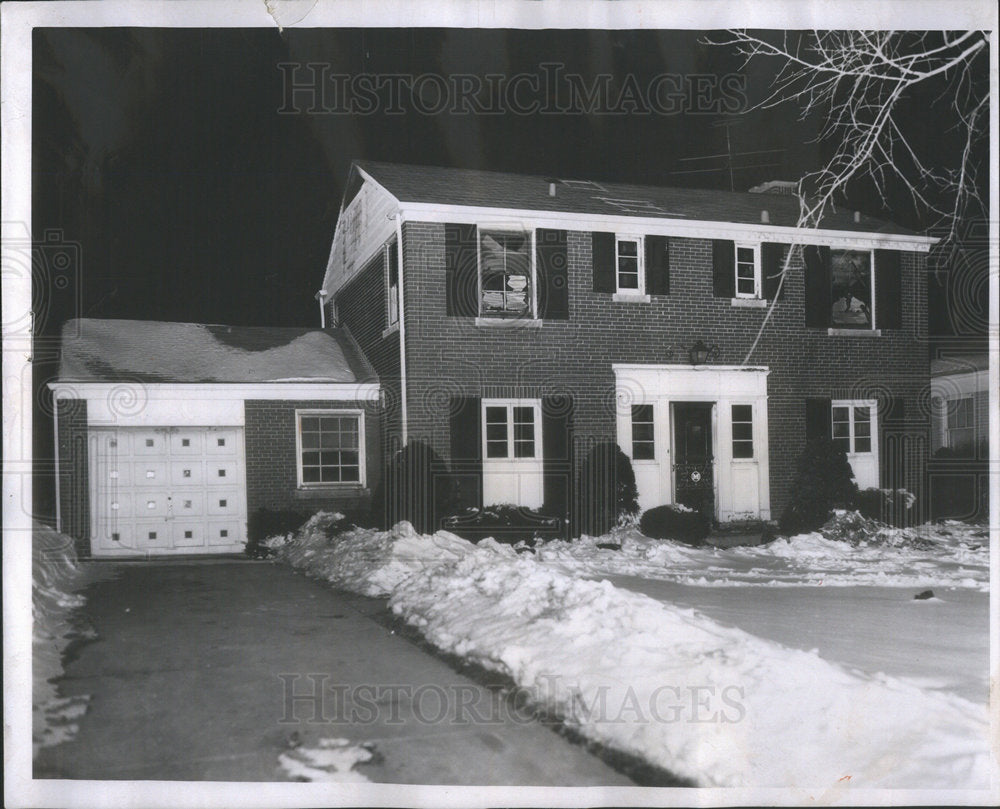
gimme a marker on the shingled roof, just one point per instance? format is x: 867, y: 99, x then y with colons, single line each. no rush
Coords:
x: 153, y: 351
x: 491, y: 189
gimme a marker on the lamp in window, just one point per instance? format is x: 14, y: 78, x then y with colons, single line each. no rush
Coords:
x: 701, y: 353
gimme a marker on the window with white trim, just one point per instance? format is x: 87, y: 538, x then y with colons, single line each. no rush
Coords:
x: 742, y: 415
x: 391, y: 284
x: 506, y: 273
x: 643, y: 441
x: 853, y: 426
x: 330, y: 447
x: 961, y: 425
x: 747, y: 263
x: 511, y: 429
x: 629, y: 265
x: 852, y: 285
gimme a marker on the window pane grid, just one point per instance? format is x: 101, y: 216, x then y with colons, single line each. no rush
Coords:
x: 510, y: 431
x: 628, y: 264
x: 742, y: 419
x: 852, y: 428
x: 330, y: 449
x: 643, y: 443
x: 505, y: 273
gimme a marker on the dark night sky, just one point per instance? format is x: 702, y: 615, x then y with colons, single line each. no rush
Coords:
x: 162, y: 153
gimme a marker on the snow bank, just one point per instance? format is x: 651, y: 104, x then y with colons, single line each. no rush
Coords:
x: 55, y: 573
x: 365, y: 560
x: 950, y: 554
x: 333, y: 760
x: 709, y: 703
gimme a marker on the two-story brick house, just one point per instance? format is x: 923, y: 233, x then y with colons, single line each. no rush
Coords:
x: 514, y: 321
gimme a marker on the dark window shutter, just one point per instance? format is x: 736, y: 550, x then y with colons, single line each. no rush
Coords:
x: 465, y: 423
x: 603, y: 247
x: 894, y: 443
x: 818, y: 301
x: 557, y: 446
x: 772, y: 262
x: 552, y: 270
x: 723, y: 268
x: 657, y: 265
x: 888, y: 290
x: 818, y: 418
x: 461, y: 270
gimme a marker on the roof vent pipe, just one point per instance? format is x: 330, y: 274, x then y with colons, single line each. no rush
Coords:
x: 765, y: 217
x: 552, y: 189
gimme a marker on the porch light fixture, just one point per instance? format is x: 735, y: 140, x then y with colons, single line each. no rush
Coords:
x: 701, y: 353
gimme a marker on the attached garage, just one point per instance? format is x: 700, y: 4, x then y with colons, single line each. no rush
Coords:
x: 170, y: 435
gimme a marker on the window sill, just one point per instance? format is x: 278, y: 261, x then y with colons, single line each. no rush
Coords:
x: 630, y: 297
x: 749, y: 303
x: 854, y: 332
x: 333, y: 490
x: 390, y: 330
x: 509, y: 322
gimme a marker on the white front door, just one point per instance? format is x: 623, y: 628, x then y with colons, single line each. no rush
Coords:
x: 855, y: 430
x: 167, y: 490
x: 512, y: 452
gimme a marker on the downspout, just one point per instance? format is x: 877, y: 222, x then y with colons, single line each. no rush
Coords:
x: 55, y: 426
x: 321, y: 297
x: 402, y: 328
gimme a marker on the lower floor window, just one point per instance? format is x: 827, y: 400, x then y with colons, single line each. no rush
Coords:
x: 511, y: 428
x: 330, y: 447
x: 852, y: 426
x: 643, y: 444
x: 742, y: 431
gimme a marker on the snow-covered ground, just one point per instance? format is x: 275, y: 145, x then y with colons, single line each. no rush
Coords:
x: 669, y: 677
x: 55, y: 574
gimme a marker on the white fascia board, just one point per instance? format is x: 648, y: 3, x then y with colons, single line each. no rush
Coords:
x: 646, y: 366
x: 665, y: 226
x: 179, y: 391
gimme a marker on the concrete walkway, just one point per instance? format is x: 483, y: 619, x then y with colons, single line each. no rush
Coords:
x: 199, y: 673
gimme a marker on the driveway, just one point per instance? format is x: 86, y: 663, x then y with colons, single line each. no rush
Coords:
x: 211, y: 670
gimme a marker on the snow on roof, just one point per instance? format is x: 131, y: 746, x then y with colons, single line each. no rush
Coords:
x: 493, y: 189
x: 154, y: 351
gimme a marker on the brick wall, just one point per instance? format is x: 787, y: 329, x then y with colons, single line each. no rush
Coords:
x: 271, y: 465
x: 74, y: 474
x: 361, y: 306
x: 450, y: 356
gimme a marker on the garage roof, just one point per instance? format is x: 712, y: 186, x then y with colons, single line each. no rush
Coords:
x: 492, y: 189
x: 154, y: 351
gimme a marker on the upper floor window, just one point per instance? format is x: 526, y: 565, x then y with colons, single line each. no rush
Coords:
x: 506, y: 273
x: 747, y: 282
x: 851, y: 284
x: 391, y: 284
x: 330, y: 446
x: 961, y: 425
x: 629, y: 270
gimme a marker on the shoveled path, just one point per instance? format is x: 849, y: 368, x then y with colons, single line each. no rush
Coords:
x: 186, y: 683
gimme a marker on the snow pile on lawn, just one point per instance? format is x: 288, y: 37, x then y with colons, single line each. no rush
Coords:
x: 333, y: 760
x: 55, y: 573
x: 950, y: 554
x: 366, y: 560
x: 709, y: 703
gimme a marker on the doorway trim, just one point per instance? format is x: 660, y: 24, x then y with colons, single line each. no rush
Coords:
x: 723, y: 386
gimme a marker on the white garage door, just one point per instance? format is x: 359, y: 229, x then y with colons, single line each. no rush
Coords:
x: 167, y: 490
